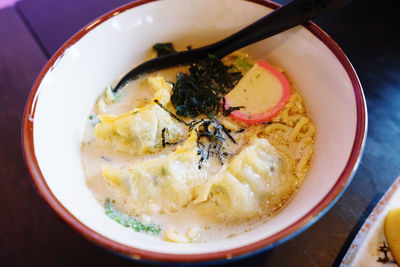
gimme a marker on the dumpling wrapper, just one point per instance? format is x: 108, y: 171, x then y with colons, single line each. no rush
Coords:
x: 140, y: 131
x: 252, y: 183
x: 162, y: 184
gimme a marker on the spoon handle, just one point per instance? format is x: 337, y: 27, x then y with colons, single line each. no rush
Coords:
x: 294, y: 13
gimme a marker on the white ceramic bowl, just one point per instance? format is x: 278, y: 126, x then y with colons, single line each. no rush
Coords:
x: 76, y: 75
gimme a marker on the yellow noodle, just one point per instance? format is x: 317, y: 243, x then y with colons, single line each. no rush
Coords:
x: 293, y: 135
x: 276, y: 127
x: 302, y: 165
x: 285, y: 115
x: 305, y: 141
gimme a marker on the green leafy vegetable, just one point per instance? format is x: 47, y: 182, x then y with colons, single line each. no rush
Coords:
x: 200, y: 91
x: 126, y: 221
x: 163, y: 49
x: 93, y: 119
x: 243, y: 64
x: 110, y: 96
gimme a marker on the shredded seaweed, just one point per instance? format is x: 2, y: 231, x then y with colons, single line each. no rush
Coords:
x: 227, y: 112
x: 200, y: 91
x: 163, y: 49
x: 215, y: 135
x: 126, y: 221
x: 211, y: 136
x: 164, y: 142
x: 170, y: 113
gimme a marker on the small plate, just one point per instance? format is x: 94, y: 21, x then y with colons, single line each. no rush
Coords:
x: 369, y: 246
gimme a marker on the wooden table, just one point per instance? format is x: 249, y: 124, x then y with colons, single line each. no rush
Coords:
x: 32, y: 235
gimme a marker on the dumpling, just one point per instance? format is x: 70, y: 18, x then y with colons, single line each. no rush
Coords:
x: 140, y: 130
x: 253, y: 181
x: 161, y: 184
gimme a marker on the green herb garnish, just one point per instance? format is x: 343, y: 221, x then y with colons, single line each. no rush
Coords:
x: 163, y: 49
x: 243, y: 64
x: 93, y: 119
x: 200, y: 92
x: 117, y: 98
x: 126, y: 221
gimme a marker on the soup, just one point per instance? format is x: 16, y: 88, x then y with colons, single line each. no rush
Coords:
x: 186, y: 167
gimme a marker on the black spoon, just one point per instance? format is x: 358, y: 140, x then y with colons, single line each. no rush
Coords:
x: 292, y: 14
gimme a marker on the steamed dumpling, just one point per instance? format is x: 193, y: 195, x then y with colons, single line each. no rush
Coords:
x: 251, y: 182
x: 140, y: 130
x: 161, y: 184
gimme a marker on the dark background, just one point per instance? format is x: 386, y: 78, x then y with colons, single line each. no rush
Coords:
x: 32, y: 235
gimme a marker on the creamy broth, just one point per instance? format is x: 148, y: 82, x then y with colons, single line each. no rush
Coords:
x: 201, y: 219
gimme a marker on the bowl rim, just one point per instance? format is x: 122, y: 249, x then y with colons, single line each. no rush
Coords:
x: 294, y: 229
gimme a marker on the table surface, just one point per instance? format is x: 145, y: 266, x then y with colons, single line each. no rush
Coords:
x: 32, y: 235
